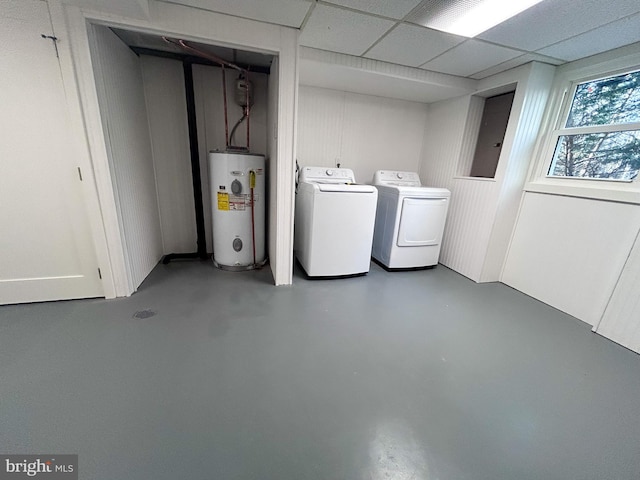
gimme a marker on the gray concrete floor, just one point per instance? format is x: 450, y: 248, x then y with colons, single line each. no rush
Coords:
x: 415, y: 375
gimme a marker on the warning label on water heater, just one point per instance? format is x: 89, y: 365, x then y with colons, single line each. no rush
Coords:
x: 237, y: 202
x: 228, y: 202
x: 223, y: 201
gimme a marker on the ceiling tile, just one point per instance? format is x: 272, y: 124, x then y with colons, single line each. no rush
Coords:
x: 515, y: 62
x: 470, y: 57
x: 397, y: 9
x: 342, y: 31
x: 555, y: 20
x: 411, y: 45
x: 608, y: 37
x: 282, y: 12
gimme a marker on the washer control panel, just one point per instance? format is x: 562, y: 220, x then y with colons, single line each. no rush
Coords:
x: 326, y: 175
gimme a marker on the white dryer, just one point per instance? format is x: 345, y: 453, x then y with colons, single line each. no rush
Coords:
x: 410, y: 220
x: 334, y: 222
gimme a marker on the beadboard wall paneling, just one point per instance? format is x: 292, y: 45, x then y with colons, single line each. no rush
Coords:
x: 361, y: 132
x: 569, y: 252
x: 471, y: 133
x: 443, y: 136
x: 126, y: 129
x: 166, y: 105
x: 320, y: 126
x: 471, y: 209
x: 469, y: 225
x: 520, y: 139
x: 483, y: 211
x: 621, y: 319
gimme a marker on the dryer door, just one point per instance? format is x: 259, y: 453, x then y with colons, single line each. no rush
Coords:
x: 421, y: 221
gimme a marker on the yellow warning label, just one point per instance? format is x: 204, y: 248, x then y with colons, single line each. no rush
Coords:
x: 223, y: 201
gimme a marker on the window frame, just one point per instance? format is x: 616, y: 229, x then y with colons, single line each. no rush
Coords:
x: 561, y: 130
x: 568, y: 77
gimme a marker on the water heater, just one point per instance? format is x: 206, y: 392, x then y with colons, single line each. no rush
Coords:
x: 237, y: 186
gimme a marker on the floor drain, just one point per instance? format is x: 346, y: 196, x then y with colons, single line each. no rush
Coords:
x: 144, y: 314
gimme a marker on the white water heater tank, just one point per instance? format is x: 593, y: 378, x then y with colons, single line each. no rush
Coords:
x: 237, y: 186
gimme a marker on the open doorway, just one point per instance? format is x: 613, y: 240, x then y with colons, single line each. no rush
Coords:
x: 163, y: 109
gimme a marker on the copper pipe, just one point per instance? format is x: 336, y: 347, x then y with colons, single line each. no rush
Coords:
x: 208, y: 56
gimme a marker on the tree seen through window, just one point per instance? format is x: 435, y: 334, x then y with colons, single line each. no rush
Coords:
x: 611, y: 151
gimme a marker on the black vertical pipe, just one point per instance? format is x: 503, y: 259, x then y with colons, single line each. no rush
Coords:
x: 195, y: 158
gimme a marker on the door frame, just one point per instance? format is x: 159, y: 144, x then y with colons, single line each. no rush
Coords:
x: 196, y: 25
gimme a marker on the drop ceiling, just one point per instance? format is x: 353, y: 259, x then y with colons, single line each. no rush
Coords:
x: 377, y: 47
x: 553, y: 31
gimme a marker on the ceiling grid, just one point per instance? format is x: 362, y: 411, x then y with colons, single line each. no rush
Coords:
x: 553, y: 31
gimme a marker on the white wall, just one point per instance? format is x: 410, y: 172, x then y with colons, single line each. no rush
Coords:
x: 522, y: 132
x: 282, y: 194
x: 210, y: 109
x: 166, y: 104
x: 573, y: 243
x: 621, y: 319
x: 469, y: 218
x: 272, y: 167
x: 568, y: 252
x: 483, y: 211
x: 361, y: 132
x: 125, y: 122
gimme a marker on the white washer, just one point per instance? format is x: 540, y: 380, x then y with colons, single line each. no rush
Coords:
x: 334, y: 222
x: 409, y: 221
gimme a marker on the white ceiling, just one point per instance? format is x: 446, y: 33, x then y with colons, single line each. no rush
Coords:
x: 554, y: 31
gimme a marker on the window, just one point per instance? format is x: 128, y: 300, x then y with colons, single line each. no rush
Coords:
x: 601, y: 134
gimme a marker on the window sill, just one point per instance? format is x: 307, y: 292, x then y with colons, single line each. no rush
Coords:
x: 474, y: 179
x: 608, y: 191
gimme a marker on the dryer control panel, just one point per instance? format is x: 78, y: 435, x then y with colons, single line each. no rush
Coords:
x: 396, y: 178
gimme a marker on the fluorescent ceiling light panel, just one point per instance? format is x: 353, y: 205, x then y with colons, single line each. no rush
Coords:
x: 467, y: 17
